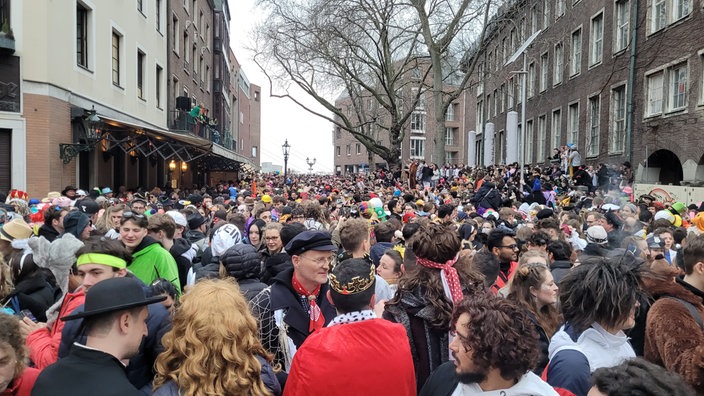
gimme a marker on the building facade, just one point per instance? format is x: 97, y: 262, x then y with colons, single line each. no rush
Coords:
x: 351, y: 156
x: 89, y: 96
x: 623, y: 80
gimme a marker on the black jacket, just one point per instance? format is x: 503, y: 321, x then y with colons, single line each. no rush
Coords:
x: 442, y: 382
x: 180, y: 247
x: 560, y: 268
x: 85, y: 372
x: 281, y: 296
x: 242, y: 262
x: 488, y: 197
x: 275, y: 265
x: 36, y: 294
x: 140, y: 370
x: 48, y: 232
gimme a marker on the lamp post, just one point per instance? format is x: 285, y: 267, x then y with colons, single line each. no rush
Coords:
x: 286, y: 148
x: 310, y: 164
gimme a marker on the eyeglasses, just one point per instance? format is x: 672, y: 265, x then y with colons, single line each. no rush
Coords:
x: 129, y: 215
x: 514, y: 246
x: 320, y: 261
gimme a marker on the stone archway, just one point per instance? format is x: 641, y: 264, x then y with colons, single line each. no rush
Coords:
x: 663, y: 167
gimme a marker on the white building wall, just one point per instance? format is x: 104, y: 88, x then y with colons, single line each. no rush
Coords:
x: 49, y: 28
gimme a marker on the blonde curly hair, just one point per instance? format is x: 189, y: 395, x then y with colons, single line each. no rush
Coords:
x: 212, y: 346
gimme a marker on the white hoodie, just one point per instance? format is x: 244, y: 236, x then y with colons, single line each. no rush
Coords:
x: 529, y: 385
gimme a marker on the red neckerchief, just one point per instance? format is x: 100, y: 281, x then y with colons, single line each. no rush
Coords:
x: 453, y: 279
x: 317, y: 320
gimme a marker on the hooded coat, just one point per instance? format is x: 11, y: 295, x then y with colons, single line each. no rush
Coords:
x: 242, y: 262
x: 150, y: 261
x: 488, y: 197
x: 673, y: 338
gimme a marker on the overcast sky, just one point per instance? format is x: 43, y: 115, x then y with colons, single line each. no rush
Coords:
x: 308, y: 135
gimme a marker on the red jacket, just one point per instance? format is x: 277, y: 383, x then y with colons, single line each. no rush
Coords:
x: 22, y: 385
x: 354, y: 359
x: 44, y: 343
x: 504, y: 277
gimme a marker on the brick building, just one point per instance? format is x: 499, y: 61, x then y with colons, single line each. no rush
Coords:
x: 588, y: 82
x: 351, y: 156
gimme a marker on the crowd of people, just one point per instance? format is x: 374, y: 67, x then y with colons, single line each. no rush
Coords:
x: 429, y: 280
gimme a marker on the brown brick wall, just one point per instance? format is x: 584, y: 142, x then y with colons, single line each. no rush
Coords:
x: 48, y: 125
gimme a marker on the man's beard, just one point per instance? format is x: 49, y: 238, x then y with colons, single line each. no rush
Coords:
x: 471, y: 377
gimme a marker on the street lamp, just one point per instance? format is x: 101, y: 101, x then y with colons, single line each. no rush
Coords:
x: 310, y: 164
x: 286, y: 148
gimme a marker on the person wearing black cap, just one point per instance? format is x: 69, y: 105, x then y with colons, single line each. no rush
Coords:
x: 89, y: 207
x: 69, y: 192
x: 197, y: 226
x: 115, y: 318
x: 296, y: 300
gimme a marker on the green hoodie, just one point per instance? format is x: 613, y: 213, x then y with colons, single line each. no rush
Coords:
x: 150, y: 262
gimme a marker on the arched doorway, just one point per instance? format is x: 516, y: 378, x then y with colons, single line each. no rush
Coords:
x: 664, y: 167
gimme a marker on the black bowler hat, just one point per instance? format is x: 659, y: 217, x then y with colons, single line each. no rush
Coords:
x: 195, y: 220
x: 67, y: 189
x: 114, y: 294
x: 310, y: 240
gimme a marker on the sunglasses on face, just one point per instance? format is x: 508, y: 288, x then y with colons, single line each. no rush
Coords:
x: 130, y: 215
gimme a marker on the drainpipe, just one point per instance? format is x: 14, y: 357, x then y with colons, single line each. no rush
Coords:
x: 631, y: 80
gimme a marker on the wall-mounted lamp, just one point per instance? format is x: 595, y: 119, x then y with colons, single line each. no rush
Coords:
x: 184, y: 166
x: 172, y: 165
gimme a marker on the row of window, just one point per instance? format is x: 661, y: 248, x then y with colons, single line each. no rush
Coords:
x: 117, y: 76
x: 143, y: 9
x: 538, y: 140
x: 357, y: 146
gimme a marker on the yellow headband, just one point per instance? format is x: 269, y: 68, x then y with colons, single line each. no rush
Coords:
x: 100, y: 258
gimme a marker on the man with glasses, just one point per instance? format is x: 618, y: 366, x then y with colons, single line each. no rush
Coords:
x: 295, y: 302
x: 503, y: 245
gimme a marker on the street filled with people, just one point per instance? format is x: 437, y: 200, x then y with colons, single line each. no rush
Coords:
x: 427, y: 280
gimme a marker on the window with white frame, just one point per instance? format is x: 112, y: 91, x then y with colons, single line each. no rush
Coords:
x: 559, y: 8
x: 417, y: 147
x: 654, y: 86
x: 511, y: 92
x: 594, y: 117
x: 573, y: 123
x: 576, y: 54
x: 418, y: 122
x: 559, y: 64
x: 349, y: 149
x: 658, y: 15
x: 680, y: 9
x: 529, y: 142
x: 534, y: 19
x: 542, y: 138
x: 530, y: 90
x: 141, y: 59
x: 480, y: 116
x: 450, y: 113
x: 596, y: 44
x: 495, y: 105
x: 678, y: 87
x: 358, y: 148
x: 175, y: 33
x: 116, y: 58
x: 556, y: 128
x: 449, y: 157
x: 618, y: 120
x: 449, y: 136
x: 337, y: 150
x: 544, y: 70
x: 159, y: 76
x: 546, y: 13
x: 621, y: 22
x: 83, y: 17
x: 502, y: 98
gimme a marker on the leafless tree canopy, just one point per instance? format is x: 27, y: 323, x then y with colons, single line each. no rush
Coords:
x: 375, y: 58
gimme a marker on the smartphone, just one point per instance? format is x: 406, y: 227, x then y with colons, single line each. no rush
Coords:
x: 25, y: 313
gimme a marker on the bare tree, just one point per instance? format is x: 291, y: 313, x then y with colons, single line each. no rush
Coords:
x: 371, y: 62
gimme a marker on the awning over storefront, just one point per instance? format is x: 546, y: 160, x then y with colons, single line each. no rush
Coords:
x: 148, y: 140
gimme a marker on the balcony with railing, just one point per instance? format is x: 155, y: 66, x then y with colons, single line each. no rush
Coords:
x: 182, y: 121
